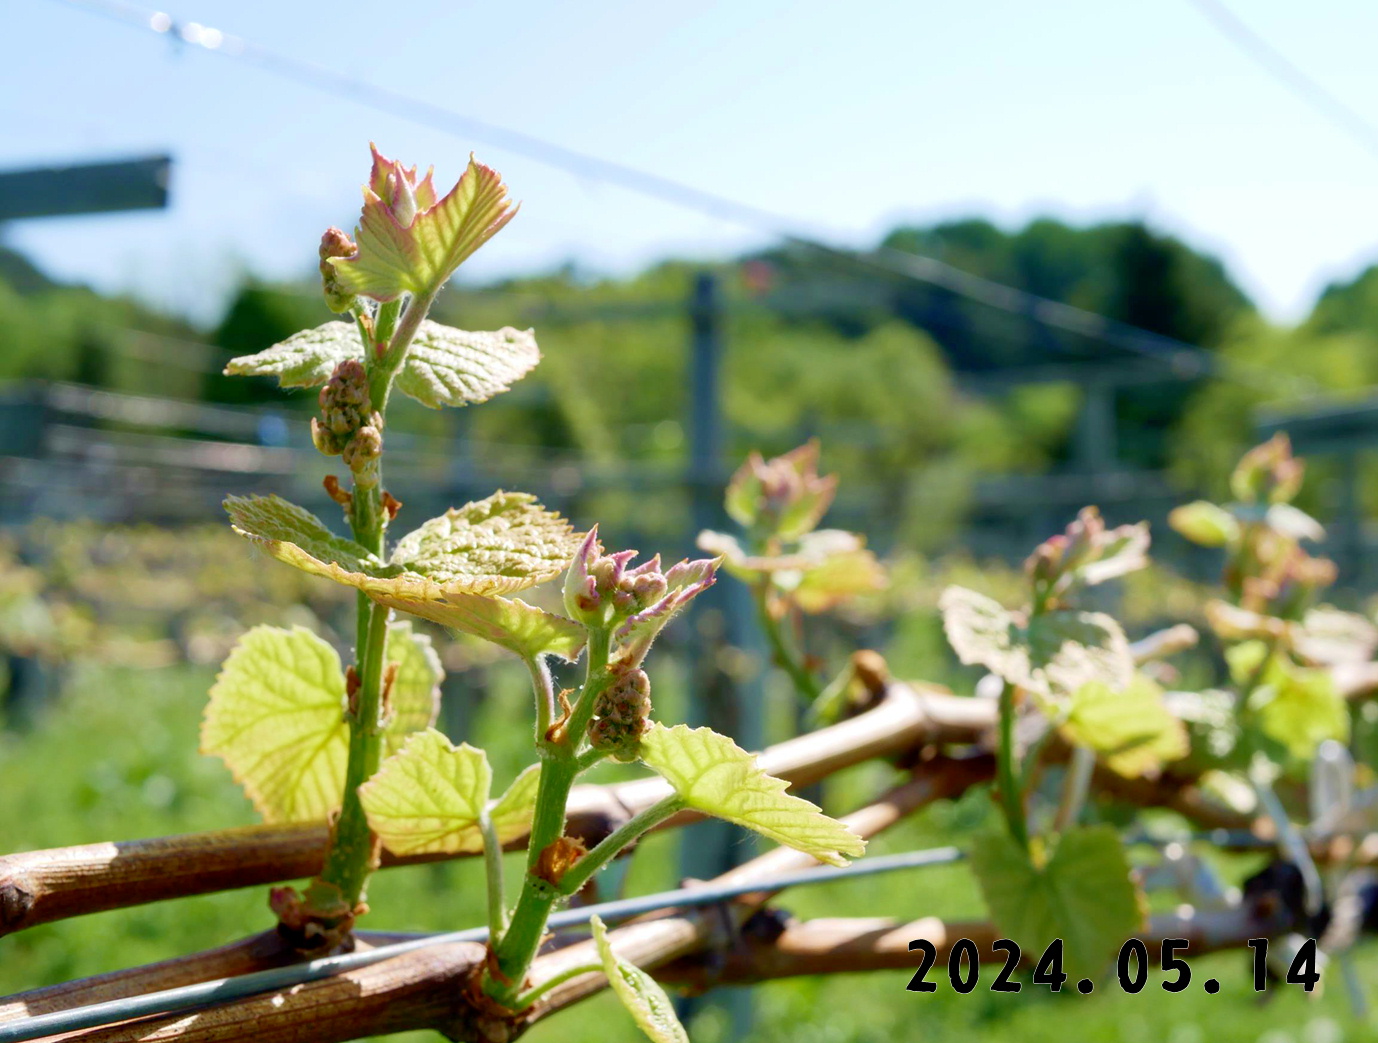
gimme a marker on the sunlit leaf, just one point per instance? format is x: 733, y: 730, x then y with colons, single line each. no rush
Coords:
x: 1329, y: 636
x: 276, y: 718
x: 428, y: 797
x: 1233, y: 623
x: 419, y: 256
x: 415, y: 694
x: 298, y: 538
x: 837, y: 580
x: 1297, y: 706
x: 502, y: 544
x: 1122, y: 550
x: 512, y: 812
x: 641, y: 994
x: 498, y: 545
x: 449, y: 367
x: 305, y: 359
x: 1212, y: 725
x: 1054, y: 654
x: 1204, y: 523
x: 1132, y: 730
x: 507, y: 622
x: 716, y: 776
x: 810, y: 551
x: 1083, y: 895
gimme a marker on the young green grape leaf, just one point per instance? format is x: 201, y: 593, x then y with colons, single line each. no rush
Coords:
x: 1083, y: 894
x: 505, y: 543
x: 1069, y: 649
x: 1053, y: 654
x: 305, y: 359
x: 1245, y: 660
x: 716, y: 776
x: 1297, y: 706
x: 498, y: 545
x: 414, y: 699
x: 983, y: 632
x: 414, y: 247
x: 509, y: 623
x: 512, y: 812
x: 298, y: 538
x: 449, y: 367
x: 276, y: 718
x: 641, y: 994
x: 1205, y: 523
x: 836, y: 580
x: 427, y: 798
x: 784, y: 496
x: 1232, y: 623
x: 745, y: 493
x: 1329, y: 636
x: 1120, y: 551
x: 811, y: 551
x: 1132, y: 731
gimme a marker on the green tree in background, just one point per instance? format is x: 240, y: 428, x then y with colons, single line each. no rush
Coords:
x: 259, y: 315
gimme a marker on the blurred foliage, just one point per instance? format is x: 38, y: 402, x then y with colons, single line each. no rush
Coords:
x: 813, y: 344
x: 59, y: 332
x: 1277, y: 368
x: 1123, y: 271
x: 260, y: 315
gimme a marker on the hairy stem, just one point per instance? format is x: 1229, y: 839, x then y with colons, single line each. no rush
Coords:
x: 1006, y: 773
x: 608, y: 848
x: 531, y: 995
x: 544, y: 689
x: 350, y: 859
x: 384, y: 368
x: 804, y: 681
x: 349, y: 862
x: 492, y: 864
x: 559, y: 769
x: 1075, y: 788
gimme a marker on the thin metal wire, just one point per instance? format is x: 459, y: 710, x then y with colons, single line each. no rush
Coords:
x: 190, y: 997
x: 1178, y: 357
x: 1287, y: 72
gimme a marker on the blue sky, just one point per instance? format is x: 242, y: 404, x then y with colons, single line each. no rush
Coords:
x: 848, y: 117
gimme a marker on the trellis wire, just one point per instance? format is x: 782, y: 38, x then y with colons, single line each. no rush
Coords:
x: 202, y: 994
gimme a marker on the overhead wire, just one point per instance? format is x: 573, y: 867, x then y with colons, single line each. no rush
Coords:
x: 1292, y: 76
x: 1180, y: 359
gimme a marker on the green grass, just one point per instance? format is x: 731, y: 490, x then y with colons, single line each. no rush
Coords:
x: 115, y: 758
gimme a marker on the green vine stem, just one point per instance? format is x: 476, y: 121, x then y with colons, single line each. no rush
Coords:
x: 1006, y: 771
x: 350, y: 859
x: 492, y: 864
x: 526, y: 999
x: 384, y: 367
x: 805, y: 683
x: 560, y: 766
x: 608, y: 848
x: 1076, y: 785
x: 544, y: 688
